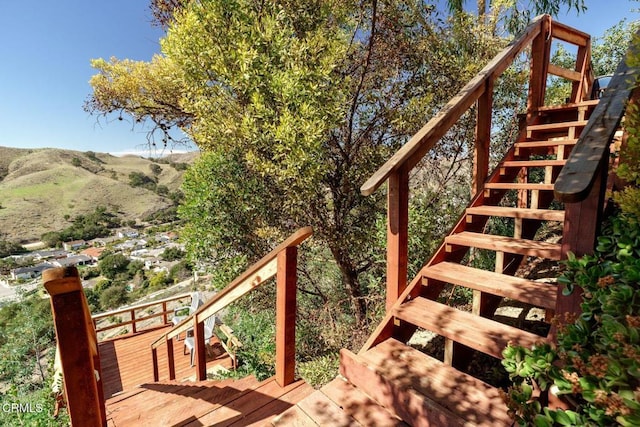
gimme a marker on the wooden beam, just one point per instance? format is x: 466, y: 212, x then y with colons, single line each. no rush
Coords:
x: 566, y: 33
x: 564, y: 73
x: 397, y: 235
x: 170, y: 360
x: 200, y: 350
x: 483, y: 139
x: 540, y: 50
x: 286, y: 316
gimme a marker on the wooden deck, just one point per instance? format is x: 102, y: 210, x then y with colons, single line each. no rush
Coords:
x: 126, y: 361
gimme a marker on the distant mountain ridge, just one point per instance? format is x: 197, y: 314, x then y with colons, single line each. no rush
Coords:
x: 40, y: 189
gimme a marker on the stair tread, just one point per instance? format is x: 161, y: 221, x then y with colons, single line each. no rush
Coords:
x: 355, y: 403
x: 517, y: 186
x: 465, y: 396
x: 545, y: 143
x: 516, y: 288
x: 566, y: 107
x: 510, y: 212
x: 532, y: 163
x: 506, y: 244
x: 479, y: 333
x: 557, y: 125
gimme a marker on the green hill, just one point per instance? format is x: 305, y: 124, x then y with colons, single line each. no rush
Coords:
x: 39, y: 188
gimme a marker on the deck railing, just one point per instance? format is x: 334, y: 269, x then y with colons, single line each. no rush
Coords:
x: 134, y: 317
x: 282, y: 263
x: 479, y: 91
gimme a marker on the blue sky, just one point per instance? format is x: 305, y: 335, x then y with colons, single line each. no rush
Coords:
x: 45, y: 48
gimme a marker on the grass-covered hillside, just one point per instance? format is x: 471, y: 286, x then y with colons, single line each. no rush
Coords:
x: 41, y: 188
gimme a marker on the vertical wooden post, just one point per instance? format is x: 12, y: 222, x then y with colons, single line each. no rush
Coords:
x: 164, y: 313
x: 397, y: 234
x: 133, y: 322
x: 170, y: 359
x: 286, y: 316
x: 540, y: 50
x: 78, y: 346
x: 200, y: 349
x: 154, y: 359
x: 483, y: 139
x: 581, y: 228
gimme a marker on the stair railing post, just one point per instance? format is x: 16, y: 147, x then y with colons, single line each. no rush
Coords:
x: 78, y: 347
x: 154, y: 360
x: 580, y: 231
x: 286, y: 316
x: 397, y: 234
x: 170, y: 359
x: 540, y: 51
x: 200, y: 349
x: 482, y: 139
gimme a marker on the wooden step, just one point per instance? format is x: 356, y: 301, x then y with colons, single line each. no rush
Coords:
x: 544, y: 146
x: 479, y: 333
x: 517, y: 186
x: 524, y: 213
x: 422, y: 390
x: 535, y: 293
x: 556, y: 126
x: 338, y: 403
x: 566, y: 107
x: 532, y: 163
x: 504, y: 244
x: 545, y: 143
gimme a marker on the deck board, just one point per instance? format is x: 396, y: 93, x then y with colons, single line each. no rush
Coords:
x: 126, y: 361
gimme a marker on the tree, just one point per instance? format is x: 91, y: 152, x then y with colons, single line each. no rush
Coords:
x: 113, y: 264
x: 295, y: 104
x: 515, y: 14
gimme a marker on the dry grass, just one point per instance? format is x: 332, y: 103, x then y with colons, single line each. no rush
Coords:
x: 39, y: 187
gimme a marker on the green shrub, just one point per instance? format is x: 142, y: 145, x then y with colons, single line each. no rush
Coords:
x: 596, y: 365
x: 321, y: 370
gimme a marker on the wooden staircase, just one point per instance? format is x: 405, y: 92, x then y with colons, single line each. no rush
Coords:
x: 399, y: 383
x: 403, y: 385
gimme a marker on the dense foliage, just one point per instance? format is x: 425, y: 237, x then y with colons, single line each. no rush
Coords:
x: 26, y: 356
x: 84, y: 227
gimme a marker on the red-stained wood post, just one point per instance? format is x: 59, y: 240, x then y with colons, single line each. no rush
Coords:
x: 164, y: 313
x: 170, y: 359
x: 397, y: 234
x: 286, y: 316
x: 78, y: 347
x: 154, y: 359
x: 133, y: 322
x: 200, y: 349
x: 581, y: 228
x: 483, y: 139
x: 540, y: 51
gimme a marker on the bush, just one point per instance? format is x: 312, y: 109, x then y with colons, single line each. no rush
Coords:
x: 596, y: 366
x: 114, y: 297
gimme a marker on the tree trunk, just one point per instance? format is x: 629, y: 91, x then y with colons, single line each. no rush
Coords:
x: 352, y: 284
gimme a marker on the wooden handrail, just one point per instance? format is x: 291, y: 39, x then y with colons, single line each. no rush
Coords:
x: 420, y: 143
x: 124, y: 310
x: 577, y: 177
x: 280, y: 260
